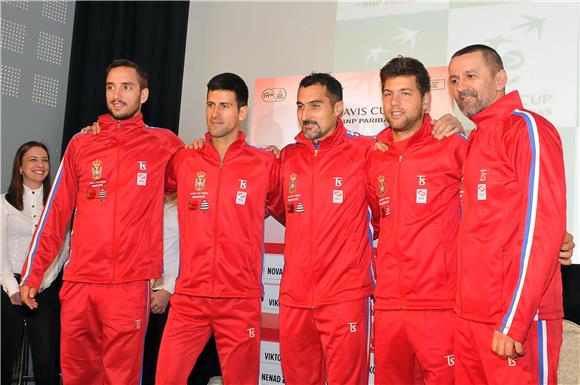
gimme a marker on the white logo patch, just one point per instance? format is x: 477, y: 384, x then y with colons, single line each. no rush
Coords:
x: 337, y: 196
x: 241, y: 197
x: 352, y: 327
x: 481, y: 192
x: 421, y: 196
x: 141, y: 178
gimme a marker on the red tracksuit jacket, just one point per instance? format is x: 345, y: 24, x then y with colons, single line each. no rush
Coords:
x: 114, y: 182
x: 415, y: 189
x: 328, y: 249
x: 514, y: 219
x: 222, y: 206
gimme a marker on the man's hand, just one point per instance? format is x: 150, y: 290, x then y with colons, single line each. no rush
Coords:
x: 274, y: 150
x: 505, y: 346
x: 381, y: 146
x: 445, y: 126
x: 567, y: 250
x: 27, y: 295
x: 196, y: 144
x: 15, y: 299
x: 159, y: 301
x: 95, y: 129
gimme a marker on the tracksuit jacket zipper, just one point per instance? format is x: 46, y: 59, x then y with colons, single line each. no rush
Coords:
x: 395, y: 235
x: 116, y: 193
x: 310, y: 212
x: 215, y: 225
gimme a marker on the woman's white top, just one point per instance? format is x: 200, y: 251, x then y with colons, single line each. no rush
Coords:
x: 16, y: 231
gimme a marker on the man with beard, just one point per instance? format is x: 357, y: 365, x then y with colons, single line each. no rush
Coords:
x: 114, y: 183
x: 509, y: 289
x: 415, y: 189
x: 327, y: 281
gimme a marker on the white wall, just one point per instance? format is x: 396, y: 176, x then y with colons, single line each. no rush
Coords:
x: 253, y: 40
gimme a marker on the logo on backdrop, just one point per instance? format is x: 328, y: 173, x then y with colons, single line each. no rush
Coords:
x: 270, y: 95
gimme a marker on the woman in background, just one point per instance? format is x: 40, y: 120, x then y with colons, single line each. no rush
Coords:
x: 21, y: 208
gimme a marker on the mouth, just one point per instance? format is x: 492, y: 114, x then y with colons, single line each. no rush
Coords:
x: 467, y: 96
x: 397, y: 114
x: 39, y: 172
x: 309, y: 125
x: 118, y: 104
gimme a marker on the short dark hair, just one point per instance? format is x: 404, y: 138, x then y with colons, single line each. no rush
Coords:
x: 490, y: 55
x: 407, y: 66
x: 141, y: 74
x: 333, y: 86
x: 16, y: 189
x: 228, y: 81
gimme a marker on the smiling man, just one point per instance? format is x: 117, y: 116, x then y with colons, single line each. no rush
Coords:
x: 114, y: 184
x: 509, y: 293
x: 414, y: 188
x: 225, y: 190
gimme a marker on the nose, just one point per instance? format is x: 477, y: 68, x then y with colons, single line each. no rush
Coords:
x: 395, y: 99
x: 460, y: 85
x: 214, y: 112
x: 115, y: 93
x: 304, y: 113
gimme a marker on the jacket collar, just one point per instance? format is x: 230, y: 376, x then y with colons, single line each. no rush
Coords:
x: 108, y: 123
x: 386, y: 135
x: 500, y: 108
x: 233, y: 150
x: 336, y: 137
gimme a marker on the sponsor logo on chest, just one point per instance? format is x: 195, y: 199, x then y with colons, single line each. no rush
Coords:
x: 482, y: 185
x: 421, y: 193
x: 142, y: 173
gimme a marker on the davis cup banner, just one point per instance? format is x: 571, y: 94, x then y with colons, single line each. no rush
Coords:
x: 274, y: 122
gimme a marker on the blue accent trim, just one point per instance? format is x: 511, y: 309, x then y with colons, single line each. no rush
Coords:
x: 370, y: 235
x: 541, y: 352
x: 526, y: 240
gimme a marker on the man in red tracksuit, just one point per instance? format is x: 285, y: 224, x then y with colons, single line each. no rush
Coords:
x: 326, y: 282
x: 225, y: 190
x: 114, y: 183
x: 509, y: 290
x: 414, y: 187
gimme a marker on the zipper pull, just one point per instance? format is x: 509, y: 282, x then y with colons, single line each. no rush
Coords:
x: 400, y: 158
x: 315, y: 148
